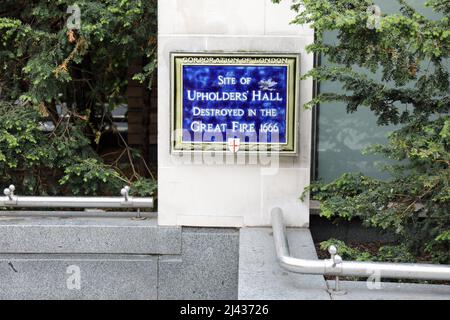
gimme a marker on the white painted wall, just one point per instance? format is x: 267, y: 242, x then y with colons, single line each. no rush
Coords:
x: 231, y: 195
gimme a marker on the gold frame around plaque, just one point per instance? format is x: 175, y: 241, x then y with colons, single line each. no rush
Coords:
x: 290, y: 60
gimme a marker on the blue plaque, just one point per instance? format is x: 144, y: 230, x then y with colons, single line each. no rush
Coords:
x: 234, y: 102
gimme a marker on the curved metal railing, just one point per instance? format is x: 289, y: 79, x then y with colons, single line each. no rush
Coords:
x: 337, y: 267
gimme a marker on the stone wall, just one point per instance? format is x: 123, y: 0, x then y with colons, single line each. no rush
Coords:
x: 115, y: 258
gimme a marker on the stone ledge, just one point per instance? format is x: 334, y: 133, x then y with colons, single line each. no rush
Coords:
x: 87, y: 235
x: 197, y: 263
x: 262, y: 278
x: 359, y: 290
x: 100, y: 277
x: 207, y: 269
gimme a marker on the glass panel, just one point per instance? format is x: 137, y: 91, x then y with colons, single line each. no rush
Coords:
x: 342, y: 136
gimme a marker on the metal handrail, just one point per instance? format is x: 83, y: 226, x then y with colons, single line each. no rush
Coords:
x: 126, y: 201
x: 337, y: 267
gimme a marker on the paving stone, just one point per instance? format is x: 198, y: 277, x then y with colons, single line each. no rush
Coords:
x: 27, y: 277
x: 262, y: 278
x: 358, y: 290
x: 88, y: 235
x: 207, y: 268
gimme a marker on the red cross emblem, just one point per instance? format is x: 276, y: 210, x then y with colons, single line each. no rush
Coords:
x: 234, y: 144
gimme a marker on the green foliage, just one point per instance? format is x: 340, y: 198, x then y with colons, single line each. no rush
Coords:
x: 345, y: 251
x: 386, y: 253
x: 143, y: 187
x: 399, y: 253
x: 399, y: 70
x: 43, y: 61
x: 61, y: 162
x: 90, y: 176
x: 43, y: 64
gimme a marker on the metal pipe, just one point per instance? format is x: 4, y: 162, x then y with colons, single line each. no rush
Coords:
x: 75, y: 202
x: 12, y: 200
x: 76, y: 214
x: 337, y: 267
